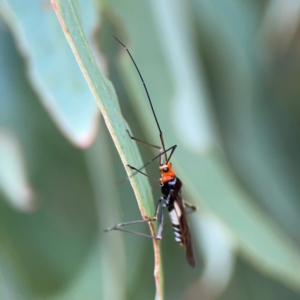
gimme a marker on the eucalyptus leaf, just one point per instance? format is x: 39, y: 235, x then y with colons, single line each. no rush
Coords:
x: 51, y: 67
x: 13, y: 174
x: 105, y: 96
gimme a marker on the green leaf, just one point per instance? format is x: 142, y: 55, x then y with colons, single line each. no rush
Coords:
x: 104, y: 93
x: 41, y: 251
x: 13, y: 173
x: 52, y: 69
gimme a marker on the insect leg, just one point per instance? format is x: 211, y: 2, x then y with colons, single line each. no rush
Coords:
x: 139, y: 171
x: 161, y: 221
x: 143, y: 142
x: 148, y: 163
x: 120, y: 225
x: 156, y: 157
x: 172, y: 151
x: 192, y: 207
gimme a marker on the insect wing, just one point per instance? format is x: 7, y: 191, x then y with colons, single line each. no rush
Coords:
x: 185, y: 230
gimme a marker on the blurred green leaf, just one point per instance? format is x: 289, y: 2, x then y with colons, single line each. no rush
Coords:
x: 209, y: 180
x: 223, y: 77
x: 43, y: 251
x: 52, y: 69
x: 248, y: 284
x: 13, y: 174
x: 104, y: 179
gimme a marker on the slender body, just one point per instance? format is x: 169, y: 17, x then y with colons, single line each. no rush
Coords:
x: 170, y: 188
x: 171, y: 194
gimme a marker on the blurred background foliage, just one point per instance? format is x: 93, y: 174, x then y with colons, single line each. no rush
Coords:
x: 224, y: 79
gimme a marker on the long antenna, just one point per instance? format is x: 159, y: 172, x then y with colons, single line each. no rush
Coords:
x: 148, y: 96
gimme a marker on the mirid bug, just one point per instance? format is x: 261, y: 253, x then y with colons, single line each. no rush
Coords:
x: 171, y: 191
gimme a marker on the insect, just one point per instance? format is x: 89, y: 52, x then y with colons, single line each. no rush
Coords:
x: 171, y: 186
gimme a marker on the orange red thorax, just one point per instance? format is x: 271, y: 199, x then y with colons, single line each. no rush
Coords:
x: 166, y: 173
